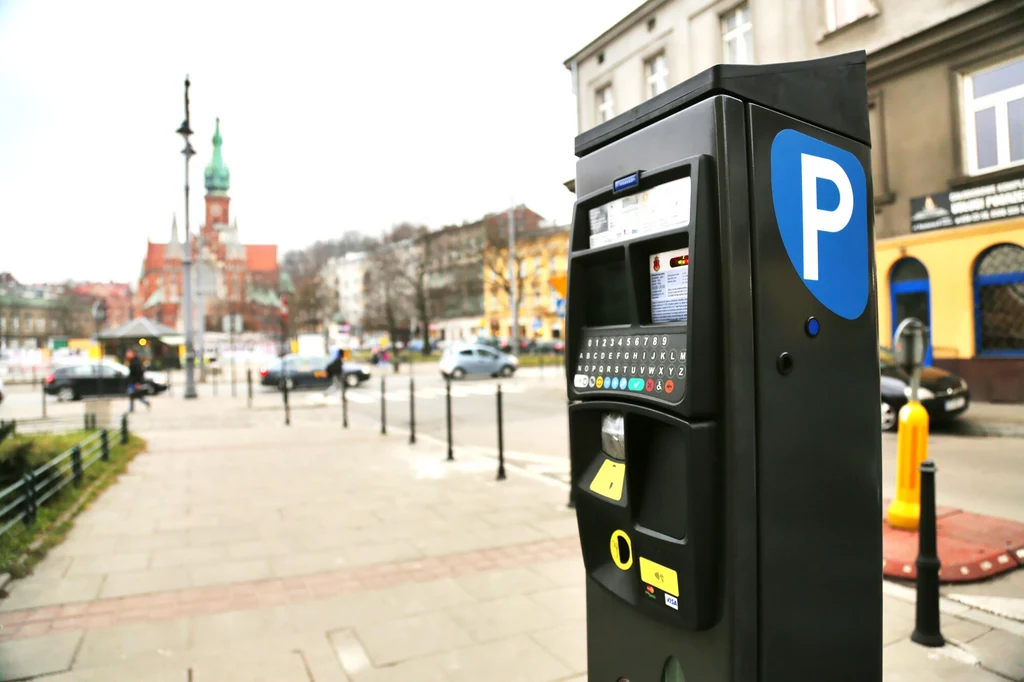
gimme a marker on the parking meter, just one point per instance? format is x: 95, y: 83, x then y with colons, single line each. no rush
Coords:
x: 910, y: 343
x: 722, y: 370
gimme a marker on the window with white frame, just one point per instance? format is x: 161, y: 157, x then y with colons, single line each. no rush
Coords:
x: 738, y: 36
x: 994, y: 117
x: 605, y: 104
x: 656, y: 71
x: 839, y: 13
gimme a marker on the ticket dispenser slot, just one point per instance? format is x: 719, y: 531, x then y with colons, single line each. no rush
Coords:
x: 728, y: 500
x: 660, y: 501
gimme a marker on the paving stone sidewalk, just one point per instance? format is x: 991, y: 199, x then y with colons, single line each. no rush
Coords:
x: 312, y: 553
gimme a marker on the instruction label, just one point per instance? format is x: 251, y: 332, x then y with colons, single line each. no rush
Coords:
x: 658, y: 209
x: 670, y: 285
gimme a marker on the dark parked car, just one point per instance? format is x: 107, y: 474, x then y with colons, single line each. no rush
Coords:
x: 944, y: 395
x: 310, y: 371
x: 91, y: 379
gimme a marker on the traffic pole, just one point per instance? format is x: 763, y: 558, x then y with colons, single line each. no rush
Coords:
x: 927, y: 631
x: 412, y: 412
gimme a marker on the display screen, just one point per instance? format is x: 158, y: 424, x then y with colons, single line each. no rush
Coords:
x: 670, y: 285
x: 607, y: 298
x: 658, y: 209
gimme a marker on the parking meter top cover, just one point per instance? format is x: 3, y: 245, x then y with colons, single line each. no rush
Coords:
x: 839, y: 85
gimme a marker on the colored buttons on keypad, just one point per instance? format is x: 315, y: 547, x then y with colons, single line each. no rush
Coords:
x: 636, y: 384
x: 600, y: 382
x: 622, y: 383
x: 580, y: 381
x: 669, y: 386
x: 650, y: 385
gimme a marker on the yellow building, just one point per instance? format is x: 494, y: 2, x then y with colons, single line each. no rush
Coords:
x: 543, y: 257
x: 961, y: 271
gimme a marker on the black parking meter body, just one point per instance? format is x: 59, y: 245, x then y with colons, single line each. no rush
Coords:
x: 723, y: 378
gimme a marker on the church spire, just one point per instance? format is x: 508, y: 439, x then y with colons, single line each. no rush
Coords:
x: 218, y: 178
x: 175, y: 249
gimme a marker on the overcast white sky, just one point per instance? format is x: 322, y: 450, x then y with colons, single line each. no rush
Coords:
x: 335, y: 116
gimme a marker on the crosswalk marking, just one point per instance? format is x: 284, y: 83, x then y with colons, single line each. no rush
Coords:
x: 365, y: 397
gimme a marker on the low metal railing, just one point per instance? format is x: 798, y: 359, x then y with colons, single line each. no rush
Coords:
x: 20, y: 501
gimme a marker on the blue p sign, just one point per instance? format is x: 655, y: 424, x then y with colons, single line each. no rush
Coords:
x: 820, y: 196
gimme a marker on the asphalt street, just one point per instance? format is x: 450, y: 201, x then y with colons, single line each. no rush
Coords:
x: 983, y: 475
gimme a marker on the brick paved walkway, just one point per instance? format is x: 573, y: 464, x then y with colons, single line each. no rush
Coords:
x: 252, y: 551
x: 259, y: 593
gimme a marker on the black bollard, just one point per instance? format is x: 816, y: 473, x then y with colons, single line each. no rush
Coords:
x: 287, y: 406
x: 501, y: 441
x: 926, y: 624
x: 344, y: 400
x: 412, y: 412
x: 448, y: 415
x: 248, y: 380
x: 383, y: 411
x: 124, y: 429
x: 104, y: 446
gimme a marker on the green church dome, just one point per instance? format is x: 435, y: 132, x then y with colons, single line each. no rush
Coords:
x: 218, y: 177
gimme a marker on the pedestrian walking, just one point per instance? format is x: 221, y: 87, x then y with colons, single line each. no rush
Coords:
x: 136, y: 380
x: 334, y: 372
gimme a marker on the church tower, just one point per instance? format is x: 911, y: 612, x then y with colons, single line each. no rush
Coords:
x: 218, y: 181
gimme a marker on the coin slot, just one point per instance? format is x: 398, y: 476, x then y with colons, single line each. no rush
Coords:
x: 622, y: 550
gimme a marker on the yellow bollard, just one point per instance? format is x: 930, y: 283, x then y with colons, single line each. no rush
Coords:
x: 911, y: 450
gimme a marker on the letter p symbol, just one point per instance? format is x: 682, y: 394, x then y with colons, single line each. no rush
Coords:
x: 816, y: 220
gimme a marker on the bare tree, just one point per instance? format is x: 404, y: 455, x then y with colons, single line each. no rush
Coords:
x: 413, y: 261
x: 496, y: 259
x: 69, y: 311
x: 386, y: 295
x: 314, y: 303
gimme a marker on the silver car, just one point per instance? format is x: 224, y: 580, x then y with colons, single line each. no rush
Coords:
x: 460, y: 360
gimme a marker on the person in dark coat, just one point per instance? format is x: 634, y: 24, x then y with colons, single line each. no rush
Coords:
x: 334, y: 369
x: 136, y: 380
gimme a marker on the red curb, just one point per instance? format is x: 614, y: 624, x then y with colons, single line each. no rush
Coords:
x: 971, y: 547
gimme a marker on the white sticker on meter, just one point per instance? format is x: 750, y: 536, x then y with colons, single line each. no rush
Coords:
x: 658, y: 209
x: 580, y: 381
x: 670, y: 285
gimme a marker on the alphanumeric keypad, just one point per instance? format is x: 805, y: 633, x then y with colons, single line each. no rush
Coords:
x: 649, y: 364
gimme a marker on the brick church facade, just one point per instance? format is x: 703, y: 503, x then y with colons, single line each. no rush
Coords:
x: 229, y: 277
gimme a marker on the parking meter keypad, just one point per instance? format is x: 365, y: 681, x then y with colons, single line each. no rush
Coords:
x: 651, y: 364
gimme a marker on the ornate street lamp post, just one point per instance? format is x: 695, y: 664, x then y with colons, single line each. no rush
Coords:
x: 190, y: 357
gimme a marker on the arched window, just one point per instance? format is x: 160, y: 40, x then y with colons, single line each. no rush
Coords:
x: 999, y: 301
x: 911, y: 296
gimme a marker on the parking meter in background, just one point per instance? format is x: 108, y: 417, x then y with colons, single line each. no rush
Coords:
x: 719, y: 289
x: 910, y: 344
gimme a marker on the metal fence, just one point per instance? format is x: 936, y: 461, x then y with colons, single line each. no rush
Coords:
x: 20, y: 501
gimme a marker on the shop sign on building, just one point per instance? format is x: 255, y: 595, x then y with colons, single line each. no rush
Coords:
x: 993, y: 201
